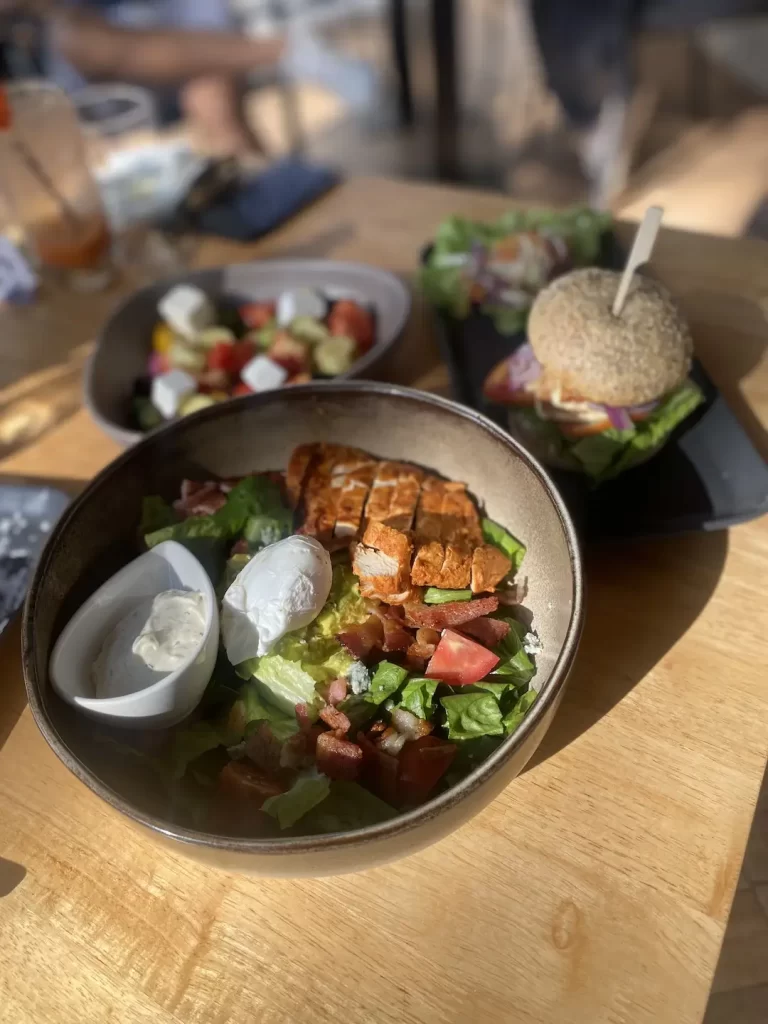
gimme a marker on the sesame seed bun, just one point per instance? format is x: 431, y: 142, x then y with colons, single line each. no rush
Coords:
x: 586, y: 351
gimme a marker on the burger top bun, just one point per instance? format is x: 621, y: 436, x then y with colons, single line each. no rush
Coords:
x: 587, y: 352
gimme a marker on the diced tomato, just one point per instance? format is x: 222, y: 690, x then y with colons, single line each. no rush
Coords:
x: 290, y: 353
x: 5, y: 110
x: 338, y: 758
x: 257, y: 314
x: 242, y: 780
x: 488, y: 631
x: 231, y: 357
x: 460, y: 661
x: 422, y: 763
x: 242, y: 353
x: 220, y: 357
x: 241, y: 389
x: 380, y: 770
x: 349, y: 319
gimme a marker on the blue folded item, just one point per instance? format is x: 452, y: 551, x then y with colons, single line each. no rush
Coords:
x: 261, y: 204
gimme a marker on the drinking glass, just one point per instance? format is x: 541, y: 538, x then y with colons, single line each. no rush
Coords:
x: 47, y: 184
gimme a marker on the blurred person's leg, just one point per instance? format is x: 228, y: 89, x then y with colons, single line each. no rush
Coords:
x: 585, y: 48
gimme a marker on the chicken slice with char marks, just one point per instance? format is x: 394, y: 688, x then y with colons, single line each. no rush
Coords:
x: 489, y: 567
x: 394, y: 495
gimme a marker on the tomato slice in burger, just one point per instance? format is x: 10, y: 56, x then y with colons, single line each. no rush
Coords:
x: 460, y: 661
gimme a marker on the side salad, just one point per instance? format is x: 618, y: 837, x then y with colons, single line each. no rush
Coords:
x: 205, y: 351
x: 411, y: 666
x: 499, y: 267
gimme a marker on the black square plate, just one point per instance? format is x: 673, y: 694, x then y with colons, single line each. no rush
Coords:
x: 707, y: 477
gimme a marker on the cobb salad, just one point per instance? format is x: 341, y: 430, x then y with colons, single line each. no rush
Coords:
x: 499, y: 267
x: 203, y: 352
x: 372, y: 646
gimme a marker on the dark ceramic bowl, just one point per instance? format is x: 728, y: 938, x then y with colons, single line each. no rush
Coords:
x: 97, y: 535
x: 124, y: 345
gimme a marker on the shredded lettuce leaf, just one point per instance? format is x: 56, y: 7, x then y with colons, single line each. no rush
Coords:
x: 515, y: 666
x: 254, y: 706
x: 252, y: 496
x: 309, y: 789
x: 285, y: 684
x: 472, y: 714
x: 387, y: 680
x: 156, y: 514
x: 190, y: 743
x: 434, y: 595
x: 604, y: 456
x: 418, y: 697
x: 515, y: 717
x: 505, y: 542
x: 348, y: 806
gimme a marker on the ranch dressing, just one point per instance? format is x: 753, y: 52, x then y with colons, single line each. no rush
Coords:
x: 152, y: 640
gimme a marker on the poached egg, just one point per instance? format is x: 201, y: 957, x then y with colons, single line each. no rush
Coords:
x: 282, y: 588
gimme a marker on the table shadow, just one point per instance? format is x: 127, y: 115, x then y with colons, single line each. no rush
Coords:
x: 641, y: 598
x: 11, y: 875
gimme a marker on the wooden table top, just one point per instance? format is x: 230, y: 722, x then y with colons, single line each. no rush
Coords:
x: 595, y: 890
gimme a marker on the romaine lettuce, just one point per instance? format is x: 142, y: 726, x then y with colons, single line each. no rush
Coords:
x: 387, y: 680
x: 514, y: 666
x: 348, y: 806
x: 418, y: 697
x: 515, y: 717
x: 472, y: 714
x: 309, y: 789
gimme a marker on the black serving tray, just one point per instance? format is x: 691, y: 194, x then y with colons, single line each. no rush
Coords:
x: 708, y: 476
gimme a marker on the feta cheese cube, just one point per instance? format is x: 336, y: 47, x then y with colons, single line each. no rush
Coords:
x: 262, y: 374
x: 187, y: 310
x: 170, y: 389
x: 299, y: 302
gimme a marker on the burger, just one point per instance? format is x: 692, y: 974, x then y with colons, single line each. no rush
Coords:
x: 593, y: 392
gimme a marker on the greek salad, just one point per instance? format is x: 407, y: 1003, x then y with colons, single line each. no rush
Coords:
x: 373, y: 649
x: 203, y: 352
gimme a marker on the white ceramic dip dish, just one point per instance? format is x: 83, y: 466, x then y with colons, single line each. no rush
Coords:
x: 169, y: 566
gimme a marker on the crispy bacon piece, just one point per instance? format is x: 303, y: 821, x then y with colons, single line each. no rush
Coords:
x: 396, y: 636
x: 338, y: 758
x: 418, y: 655
x: 488, y: 631
x: 335, y: 719
x: 442, y: 616
x: 379, y: 770
x: 240, y: 547
x: 200, y: 498
x: 362, y: 638
x: 264, y: 749
x: 336, y: 691
x: 245, y: 782
x: 302, y: 717
x: 489, y: 567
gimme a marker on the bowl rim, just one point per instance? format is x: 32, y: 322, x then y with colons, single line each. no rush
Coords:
x: 401, y: 823
x: 126, y: 436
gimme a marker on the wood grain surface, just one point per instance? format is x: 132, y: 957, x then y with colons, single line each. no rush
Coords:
x: 595, y: 890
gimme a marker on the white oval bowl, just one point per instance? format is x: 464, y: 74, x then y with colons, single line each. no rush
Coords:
x: 169, y: 566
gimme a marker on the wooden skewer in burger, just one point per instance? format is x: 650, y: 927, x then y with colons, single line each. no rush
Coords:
x: 593, y: 390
